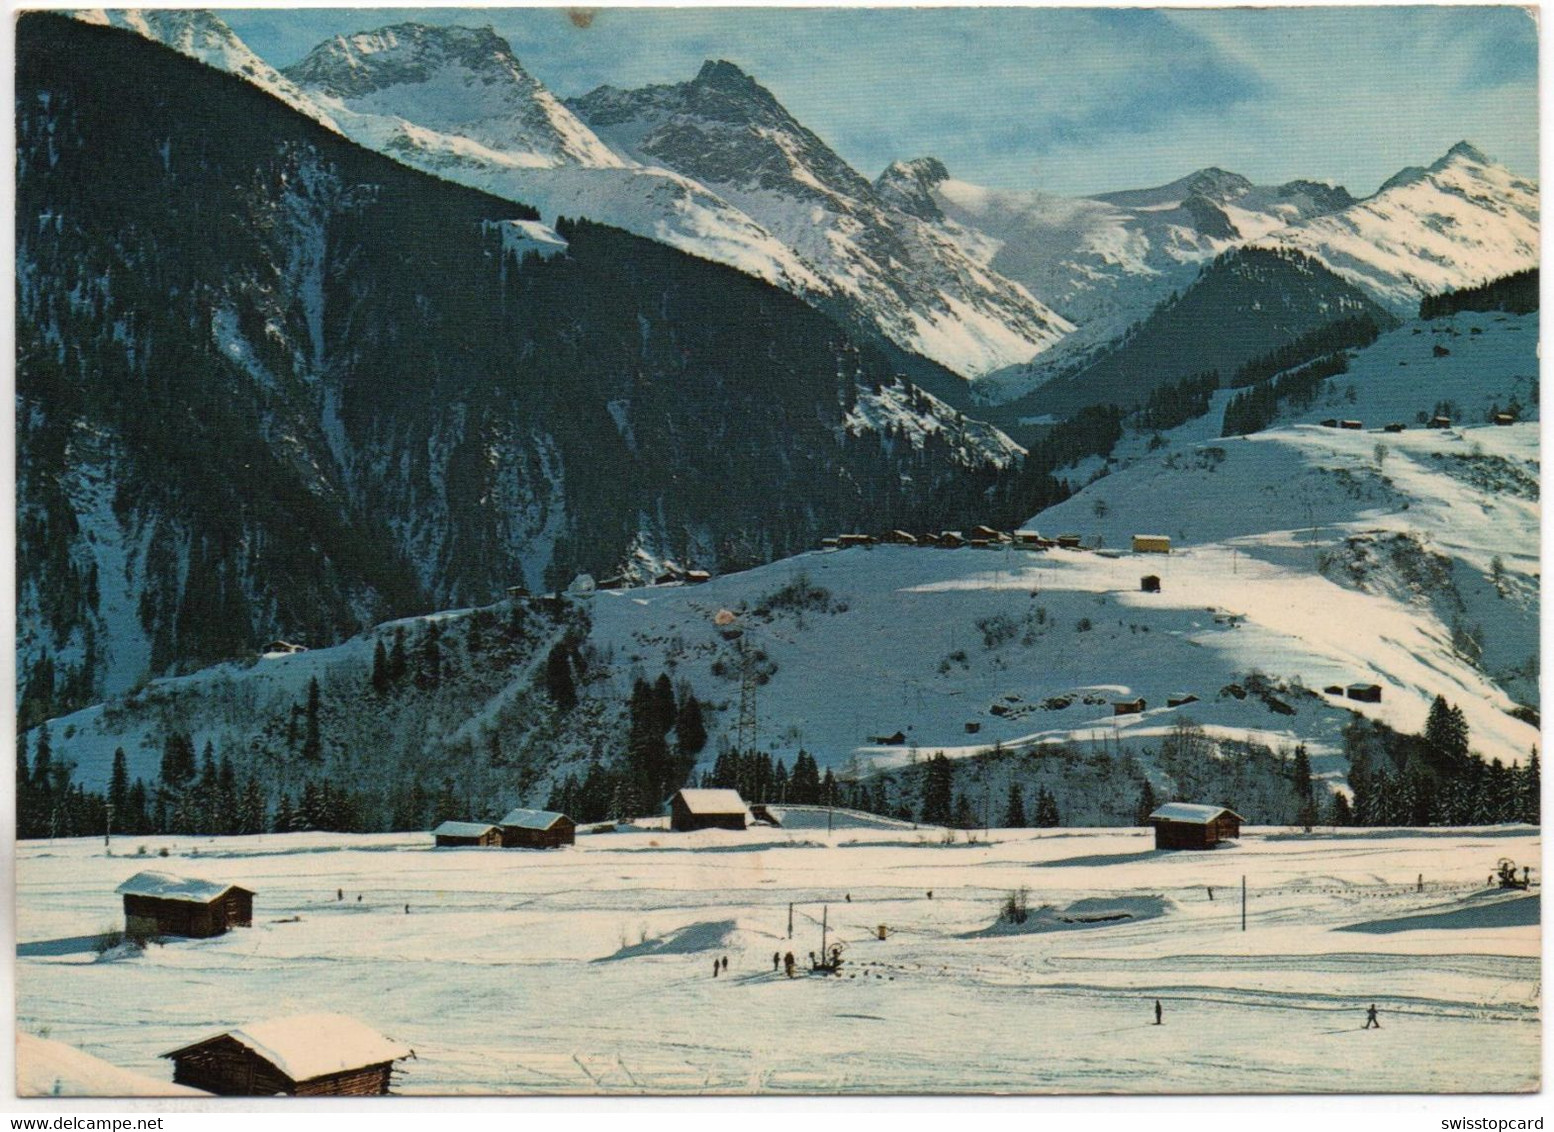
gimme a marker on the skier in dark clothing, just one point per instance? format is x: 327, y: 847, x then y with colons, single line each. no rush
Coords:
x: 1157, y: 1012
x: 725, y: 962
x: 715, y: 968
x: 776, y: 960
x: 1370, y: 1018
x: 788, y: 963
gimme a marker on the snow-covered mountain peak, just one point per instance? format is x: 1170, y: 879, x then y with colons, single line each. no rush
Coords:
x: 353, y: 65
x: 450, y: 83
x: 1459, y: 222
x: 909, y: 186
x: 1463, y: 151
x: 1211, y: 183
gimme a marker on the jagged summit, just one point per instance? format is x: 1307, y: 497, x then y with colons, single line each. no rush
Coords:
x: 1465, y: 149
x: 349, y: 66
x: 456, y: 85
x: 1211, y: 183
x: 909, y: 186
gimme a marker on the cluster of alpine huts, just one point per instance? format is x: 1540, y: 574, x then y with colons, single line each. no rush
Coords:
x: 332, y: 1054
x: 305, y: 1055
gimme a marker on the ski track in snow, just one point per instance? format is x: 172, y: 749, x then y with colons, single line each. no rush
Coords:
x: 495, y: 977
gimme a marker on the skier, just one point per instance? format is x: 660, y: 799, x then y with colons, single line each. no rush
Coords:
x: 849, y: 898
x: 930, y: 894
x: 1211, y: 892
x: 358, y: 898
x: 714, y: 968
x: 407, y: 909
x: 339, y: 894
x: 788, y: 963
x: 776, y: 961
x: 725, y: 962
x: 1157, y: 1012
x: 1370, y: 1018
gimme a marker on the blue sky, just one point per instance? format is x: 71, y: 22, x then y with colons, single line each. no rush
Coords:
x: 1062, y: 100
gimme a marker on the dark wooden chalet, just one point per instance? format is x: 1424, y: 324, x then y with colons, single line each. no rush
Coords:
x: 537, y: 829
x: 1439, y: 422
x: 1186, y: 825
x: 1394, y: 426
x: 456, y: 833
x: 951, y: 540
x: 163, y: 904
x: 1365, y: 693
x: 1504, y: 418
x: 707, y: 809
x: 1352, y: 426
x: 1181, y: 699
x: 1069, y: 542
x: 844, y: 541
x: 1128, y: 707
x: 901, y: 538
x: 309, y: 1055
x: 1150, y: 583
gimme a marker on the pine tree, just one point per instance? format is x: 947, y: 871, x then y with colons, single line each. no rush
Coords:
x: 312, y: 743
x: 689, y: 728
x: 1342, y: 814
x: 380, y: 668
x: 1530, y: 786
x: 1047, y: 810
x: 1148, y: 803
x: 938, y: 785
x: 119, y: 787
x: 398, y: 664
x: 558, y: 679
x: 1014, y: 809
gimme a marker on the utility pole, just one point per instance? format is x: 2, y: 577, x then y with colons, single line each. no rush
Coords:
x: 1243, y: 902
x: 790, y: 919
x: 107, y: 826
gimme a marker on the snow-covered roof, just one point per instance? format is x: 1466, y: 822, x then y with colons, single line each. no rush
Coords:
x: 166, y: 886
x: 462, y: 829
x: 531, y: 819
x: 713, y: 801
x: 1191, y: 813
x: 305, y: 1046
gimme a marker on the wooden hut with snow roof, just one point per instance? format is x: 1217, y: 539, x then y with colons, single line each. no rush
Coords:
x: 451, y: 834
x: 308, y: 1055
x: 1188, y: 825
x: 157, y: 903
x: 708, y: 809
x: 537, y: 829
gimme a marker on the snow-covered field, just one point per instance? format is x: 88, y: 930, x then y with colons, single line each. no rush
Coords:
x: 589, y: 969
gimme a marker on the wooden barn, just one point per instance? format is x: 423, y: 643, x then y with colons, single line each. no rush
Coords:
x: 1150, y: 583
x: 707, y: 809
x: 1151, y: 544
x: 845, y: 541
x: 308, y: 1055
x: 1439, y: 422
x: 537, y: 829
x: 1069, y: 542
x: 901, y: 538
x: 1129, y: 707
x: 1504, y: 418
x: 163, y: 904
x: 1186, y: 825
x: 1352, y: 426
x: 951, y: 540
x: 1365, y: 693
x: 455, y: 833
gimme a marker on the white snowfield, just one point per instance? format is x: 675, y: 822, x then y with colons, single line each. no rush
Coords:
x: 589, y: 969
x: 46, y: 1068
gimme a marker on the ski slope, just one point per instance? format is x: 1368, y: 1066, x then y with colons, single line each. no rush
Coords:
x: 588, y: 969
